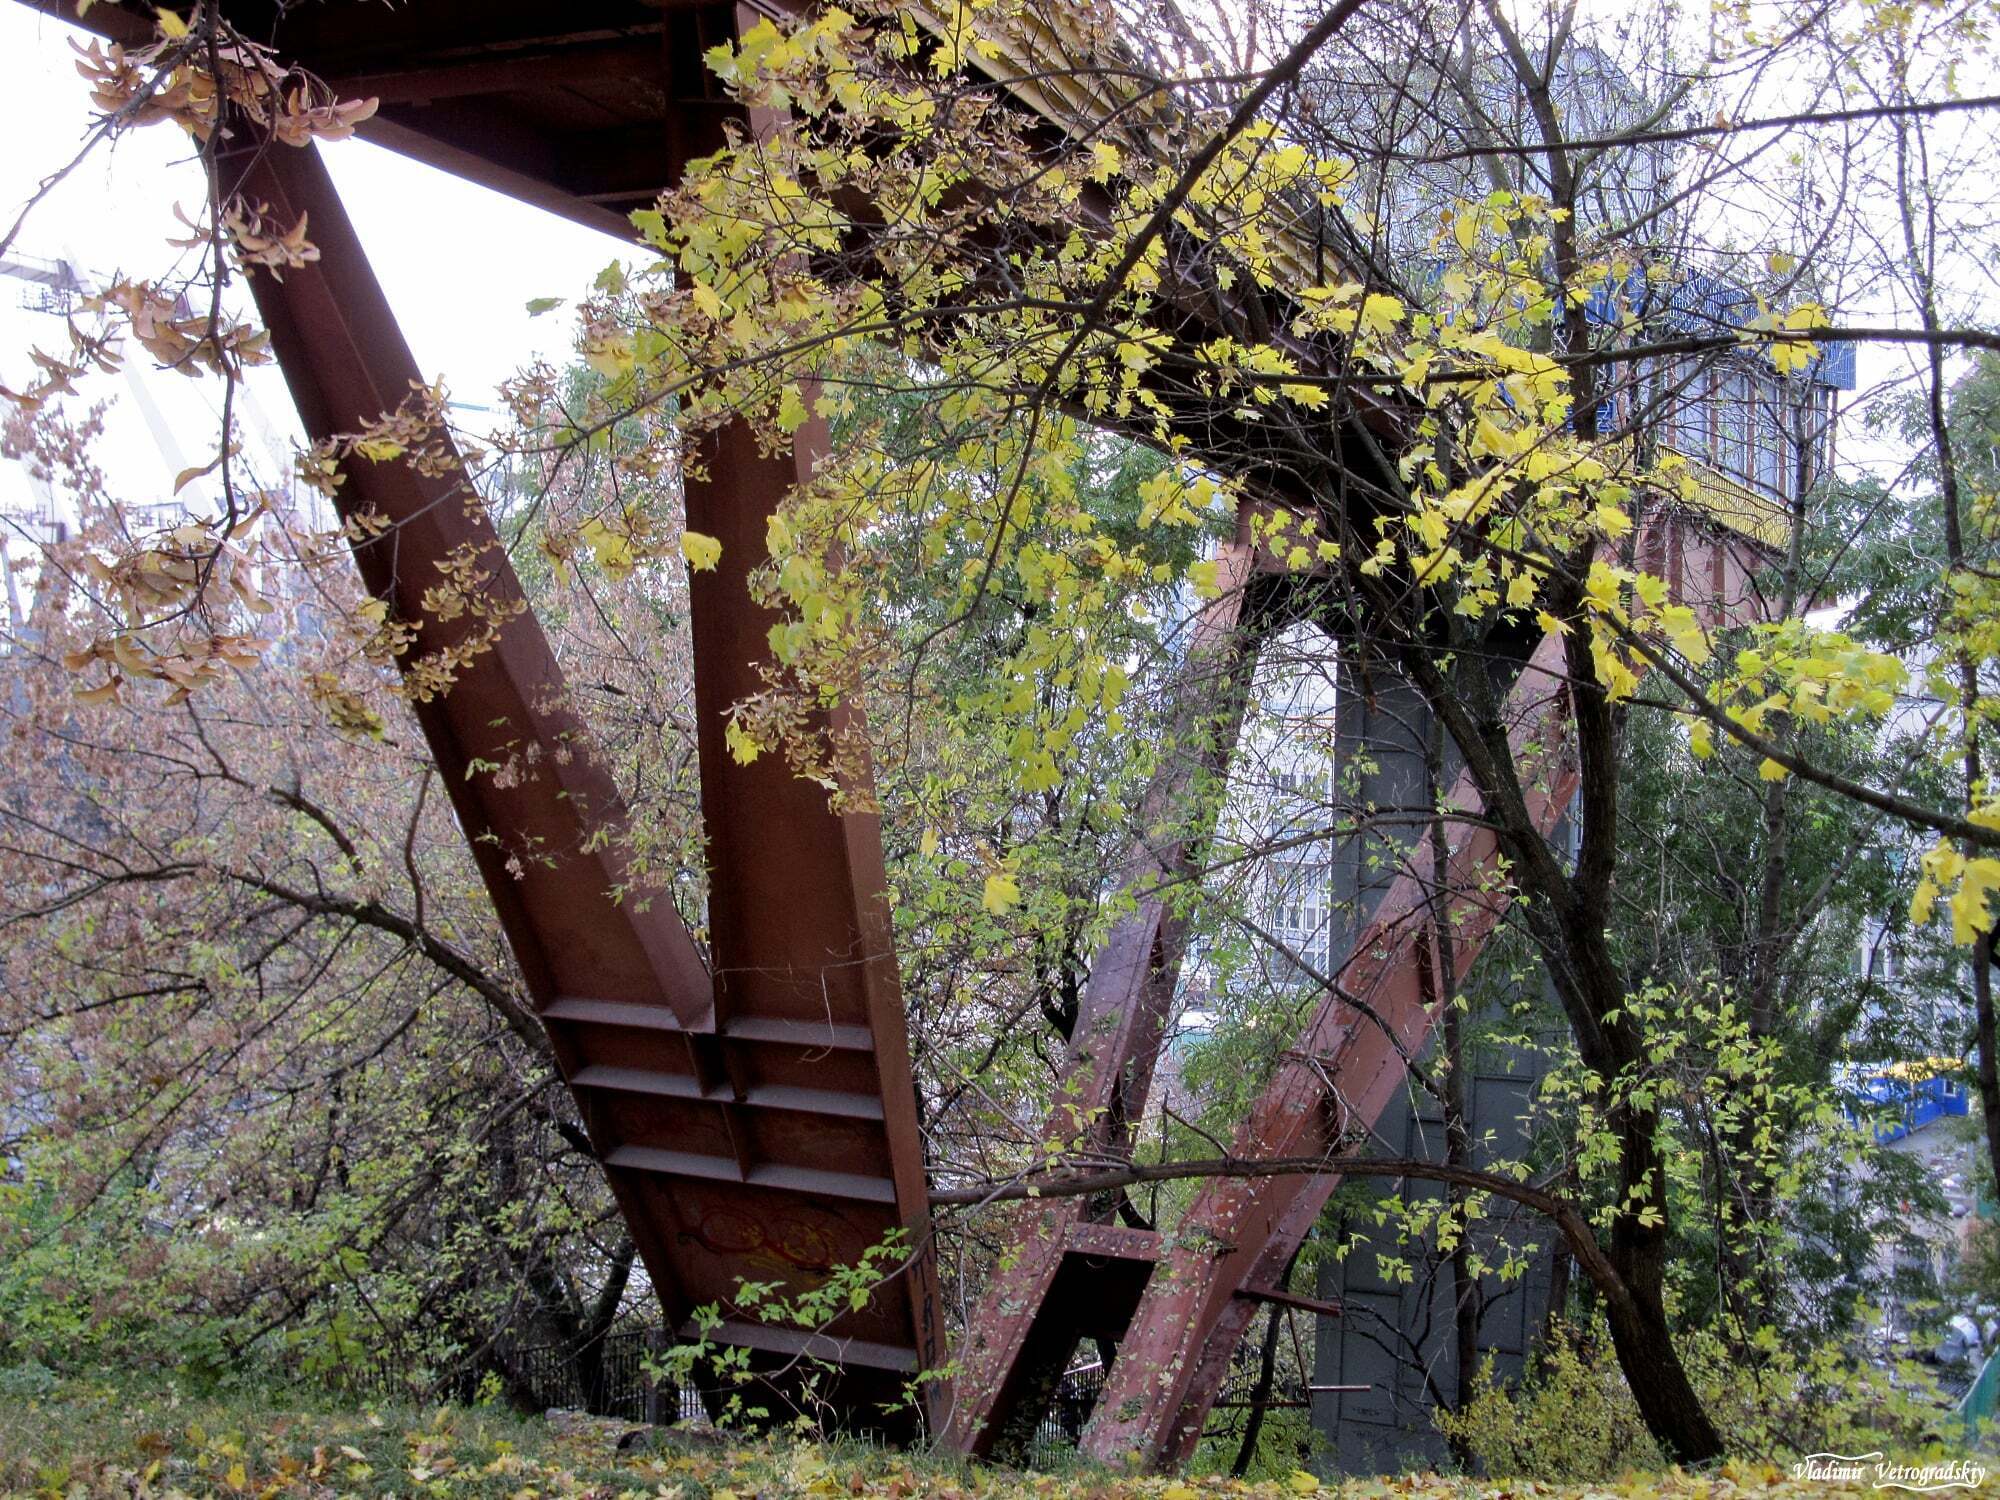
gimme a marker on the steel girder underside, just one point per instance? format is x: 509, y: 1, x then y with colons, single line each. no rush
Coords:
x: 754, y: 1111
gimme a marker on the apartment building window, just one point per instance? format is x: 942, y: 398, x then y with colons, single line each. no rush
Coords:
x: 1691, y: 409
x: 1771, y: 466
x: 1878, y: 953
x: 1300, y: 905
x: 1737, y: 421
x: 1732, y: 453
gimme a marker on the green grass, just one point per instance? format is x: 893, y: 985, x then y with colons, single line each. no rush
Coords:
x: 83, y: 1439
x: 96, y: 1439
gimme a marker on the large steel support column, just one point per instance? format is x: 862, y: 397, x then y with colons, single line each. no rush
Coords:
x: 1076, y: 1274
x: 760, y: 1124
x: 799, y: 936
x: 535, y: 835
x: 1346, y: 1066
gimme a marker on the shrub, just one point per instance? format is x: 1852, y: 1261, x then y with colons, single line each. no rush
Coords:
x: 1574, y: 1418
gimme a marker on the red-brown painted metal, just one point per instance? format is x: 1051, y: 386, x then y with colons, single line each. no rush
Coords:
x: 1332, y: 1085
x: 1070, y: 1275
x: 758, y: 1124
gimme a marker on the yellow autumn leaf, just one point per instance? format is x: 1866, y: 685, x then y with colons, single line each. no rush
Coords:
x: 742, y: 747
x: 187, y: 477
x: 792, y: 410
x: 1001, y: 895
x: 1465, y: 229
x: 1923, y: 902
x: 611, y: 356
x: 1971, y: 903
x: 1791, y: 355
x: 1770, y: 770
x: 612, y: 549
x: 701, y: 551
x: 1380, y: 312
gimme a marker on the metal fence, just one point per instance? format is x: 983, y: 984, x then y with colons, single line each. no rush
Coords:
x: 560, y: 1377
x: 553, y: 1375
x: 1076, y: 1395
x: 1980, y: 1401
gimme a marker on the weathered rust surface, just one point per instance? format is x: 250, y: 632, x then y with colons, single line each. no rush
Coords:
x: 1338, y: 1076
x: 756, y: 1124
x: 1027, y: 1323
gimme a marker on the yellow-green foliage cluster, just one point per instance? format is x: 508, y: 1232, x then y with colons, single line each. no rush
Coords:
x: 1575, y: 1420
x: 868, y: 212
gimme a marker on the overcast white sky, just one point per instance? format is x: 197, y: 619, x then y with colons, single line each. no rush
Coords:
x: 459, y: 263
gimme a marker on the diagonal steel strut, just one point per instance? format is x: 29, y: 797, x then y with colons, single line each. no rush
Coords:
x: 1020, y: 1336
x: 755, y: 1122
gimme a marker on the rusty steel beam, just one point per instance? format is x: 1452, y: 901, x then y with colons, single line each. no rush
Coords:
x: 1020, y: 1337
x: 1320, y: 1306
x: 760, y: 1123
x: 1334, y: 1082
x: 536, y: 835
x: 542, y: 65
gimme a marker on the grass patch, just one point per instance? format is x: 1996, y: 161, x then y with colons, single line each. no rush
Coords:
x: 83, y: 1439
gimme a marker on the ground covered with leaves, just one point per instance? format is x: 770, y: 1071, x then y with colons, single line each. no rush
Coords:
x: 104, y: 1440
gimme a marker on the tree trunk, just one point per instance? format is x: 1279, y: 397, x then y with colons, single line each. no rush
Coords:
x: 1458, y: 1103
x: 1989, y: 1048
x: 1566, y: 913
x: 589, y: 1343
x: 1260, y: 1397
x: 1666, y: 1398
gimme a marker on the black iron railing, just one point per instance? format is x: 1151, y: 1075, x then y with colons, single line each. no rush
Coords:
x: 611, y: 1381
